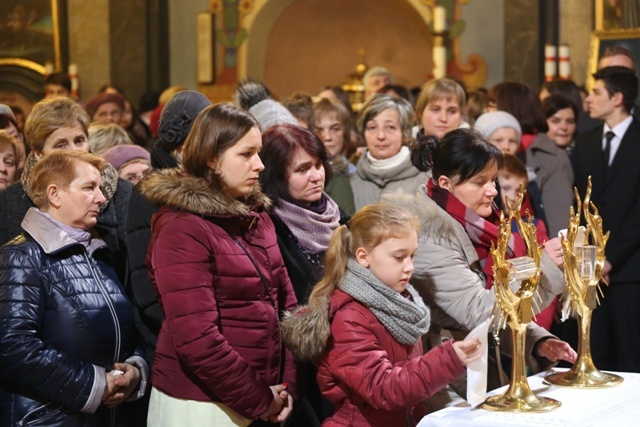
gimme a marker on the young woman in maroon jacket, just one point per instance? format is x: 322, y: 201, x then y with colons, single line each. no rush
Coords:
x: 215, y: 262
x: 364, y: 324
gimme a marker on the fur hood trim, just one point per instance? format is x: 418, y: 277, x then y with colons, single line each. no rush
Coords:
x: 178, y: 190
x: 306, y: 331
x: 434, y: 221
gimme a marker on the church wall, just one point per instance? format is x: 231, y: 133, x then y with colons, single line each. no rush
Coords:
x: 298, y: 35
x: 315, y: 43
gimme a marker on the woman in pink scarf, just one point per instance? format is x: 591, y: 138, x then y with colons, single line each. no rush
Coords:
x: 460, y: 222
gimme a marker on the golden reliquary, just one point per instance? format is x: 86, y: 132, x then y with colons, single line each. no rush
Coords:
x: 583, y: 262
x: 515, y: 283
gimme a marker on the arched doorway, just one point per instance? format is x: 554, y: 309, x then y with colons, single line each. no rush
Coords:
x: 291, y: 48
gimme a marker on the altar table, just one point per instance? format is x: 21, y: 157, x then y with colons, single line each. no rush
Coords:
x: 616, y: 406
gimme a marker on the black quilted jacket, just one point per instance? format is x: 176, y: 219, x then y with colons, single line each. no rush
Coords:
x: 64, y: 320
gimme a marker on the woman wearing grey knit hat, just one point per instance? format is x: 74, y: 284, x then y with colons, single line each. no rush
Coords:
x: 254, y: 97
x: 500, y: 129
x: 503, y: 131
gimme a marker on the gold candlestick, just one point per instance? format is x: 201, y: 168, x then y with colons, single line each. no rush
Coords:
x: 583, y: 272
x: 516, y: 311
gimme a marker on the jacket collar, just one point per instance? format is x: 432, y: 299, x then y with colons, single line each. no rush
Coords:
x: 50, y: 236
x: 381, y: 177
x: 178, y: 190
x: 542, y: 142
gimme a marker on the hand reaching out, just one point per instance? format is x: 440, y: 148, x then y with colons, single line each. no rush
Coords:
x: 554, y: 350
x: 468, y: 350
x: 553, y: 248
x: 606, y: 270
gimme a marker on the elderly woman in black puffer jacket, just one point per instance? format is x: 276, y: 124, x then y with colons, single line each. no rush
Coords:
x: 67, y: 336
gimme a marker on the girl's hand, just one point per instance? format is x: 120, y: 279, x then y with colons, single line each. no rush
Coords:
x: 554, y: 350
x: 468, y: 350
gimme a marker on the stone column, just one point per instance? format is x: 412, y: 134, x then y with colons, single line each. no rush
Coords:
x: 576, y: 24
x: 122, y: 42
x: 522, y: 57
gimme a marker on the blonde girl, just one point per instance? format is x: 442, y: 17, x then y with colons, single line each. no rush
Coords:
x: 364, y: 324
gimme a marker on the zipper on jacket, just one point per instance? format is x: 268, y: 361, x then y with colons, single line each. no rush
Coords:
x: 116, y: 323
x: 40, y: 414
x: 112, y: 309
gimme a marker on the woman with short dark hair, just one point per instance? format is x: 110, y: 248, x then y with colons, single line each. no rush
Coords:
x: 562, y: 118
x: 296, y: 171
x: 453, y: 265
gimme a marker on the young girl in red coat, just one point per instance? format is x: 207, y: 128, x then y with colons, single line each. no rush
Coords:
x: 364, y: 323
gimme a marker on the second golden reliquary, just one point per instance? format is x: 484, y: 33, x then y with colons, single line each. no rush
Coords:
x: 583, y: 262
x: 515, y: 283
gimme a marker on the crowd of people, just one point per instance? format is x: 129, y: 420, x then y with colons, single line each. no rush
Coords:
x: 296, y: 263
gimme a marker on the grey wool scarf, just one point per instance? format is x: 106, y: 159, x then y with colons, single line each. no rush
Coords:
x: 407, y: 321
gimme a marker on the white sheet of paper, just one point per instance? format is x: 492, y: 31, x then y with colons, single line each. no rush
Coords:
x: 580, y: 236
x: 477, y: 370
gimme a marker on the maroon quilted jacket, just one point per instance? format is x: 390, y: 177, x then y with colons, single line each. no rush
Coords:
x: 371, y: 378
x: 221, y: 338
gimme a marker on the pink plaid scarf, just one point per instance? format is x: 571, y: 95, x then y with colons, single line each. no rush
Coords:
x: 481, y: 231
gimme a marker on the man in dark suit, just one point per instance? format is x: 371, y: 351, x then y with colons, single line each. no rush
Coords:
x: 610, y: 154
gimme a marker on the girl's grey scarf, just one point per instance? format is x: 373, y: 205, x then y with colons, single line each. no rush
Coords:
x: 312, y: 230
x: 406, y: 320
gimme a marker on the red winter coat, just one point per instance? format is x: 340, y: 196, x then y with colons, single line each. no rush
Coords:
x: 371, y: 378
x: 220, y: 340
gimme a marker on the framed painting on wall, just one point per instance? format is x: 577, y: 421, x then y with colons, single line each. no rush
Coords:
x: 615, y: 14
x: 31, y: 32
x: 600, y: 40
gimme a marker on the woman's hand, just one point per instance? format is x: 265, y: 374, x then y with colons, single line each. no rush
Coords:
x: 277, y: 402
x: 287, y: 407
x: 468, y: 350
x: 554, y: 350
x: 606, y: 270
x: 110, y: 388
x: 553, y: 248
x: 124, y: 383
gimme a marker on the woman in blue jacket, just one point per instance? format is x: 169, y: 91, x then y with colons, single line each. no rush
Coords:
x: 67, y: 335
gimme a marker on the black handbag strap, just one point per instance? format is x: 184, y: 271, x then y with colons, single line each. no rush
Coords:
x: 271, y: 298
x: 255, y: 264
